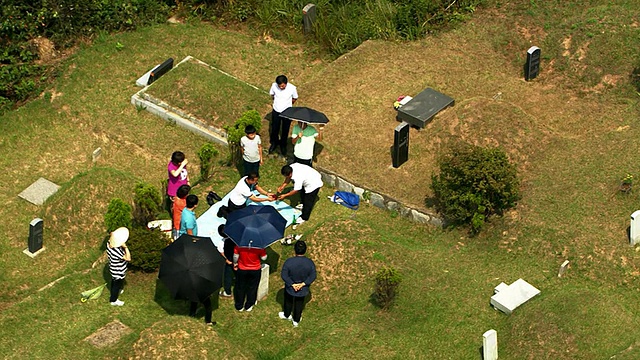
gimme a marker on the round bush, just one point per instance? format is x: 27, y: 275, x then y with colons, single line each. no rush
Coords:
x: 147, y: 203
x: 118, y: 214
x: 146, y: 248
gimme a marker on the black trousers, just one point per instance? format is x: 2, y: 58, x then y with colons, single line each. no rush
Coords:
x: 249, y: 167
x: 303, y: 161
x: 245, y: 293
x: 293, y: 304
x: 116, y: 286
x: 233, y: 207
x: 207, y: 309
x: 279, y: 134
x: 308, y: 201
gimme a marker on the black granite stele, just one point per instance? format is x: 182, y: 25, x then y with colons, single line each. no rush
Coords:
x: 423, y: 107
x: 160, y: 70
x: 400, y: 145
x: 532, y: 66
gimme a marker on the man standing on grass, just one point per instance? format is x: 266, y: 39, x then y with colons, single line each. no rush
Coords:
x: 298, y: 273
x: 284, y: 96
x: 306, y: 181
x: 188, y: 224
x: 248, y: 265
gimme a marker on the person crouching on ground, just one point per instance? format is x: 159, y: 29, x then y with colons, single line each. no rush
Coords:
x: 306, y: 181
x: 298, y: 273
x: 119, y: 255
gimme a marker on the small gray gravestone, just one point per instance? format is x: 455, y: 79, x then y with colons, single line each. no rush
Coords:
x: 36, y: 228
x: 96, y: 154
x: 308, y: 17
x: 634, y: 231
x: 563, y: 268
x: 38, y: 192
x: 490, y: 345
x: 532, y: 66
x: 400, y: 144
x: 263, y: 287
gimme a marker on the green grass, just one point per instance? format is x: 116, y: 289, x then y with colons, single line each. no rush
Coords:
x: 572, y: 147
x: 189, y: 87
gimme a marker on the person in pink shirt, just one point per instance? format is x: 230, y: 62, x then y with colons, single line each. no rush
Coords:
x: 178, y: 176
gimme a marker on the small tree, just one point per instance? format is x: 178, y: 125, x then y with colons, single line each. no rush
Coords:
x: 386, y: 287
x: 235, y: 132
x: 474, y: 183
x: 147, y: 204
x: 118, y: 215
x: 146, y: 248
x: 206, y: 154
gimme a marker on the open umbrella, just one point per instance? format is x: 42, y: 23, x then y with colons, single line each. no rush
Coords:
x: 305, y: 114
x: 255, y: 226
x: 191, y: 268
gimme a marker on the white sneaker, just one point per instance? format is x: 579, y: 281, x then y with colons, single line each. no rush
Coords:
x: 295, y: 324
x: 224, y: 294
x: 117, y: 303
x: 300, y: 220
x: 249, y: 309
x: 281, y: 316
x: 299, y: 206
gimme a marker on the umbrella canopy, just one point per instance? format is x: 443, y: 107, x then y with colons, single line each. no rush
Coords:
x: 305, y: 114
x: 255, y: 226
x: 191, y: 268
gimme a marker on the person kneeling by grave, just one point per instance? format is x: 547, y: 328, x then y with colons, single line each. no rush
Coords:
x: 306, y: 181
x: 244, y: 190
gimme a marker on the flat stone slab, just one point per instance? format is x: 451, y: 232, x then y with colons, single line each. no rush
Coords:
x: 108, y: 334
x: 38, y: 192
x: 423, y: 107
x: 508, y: 298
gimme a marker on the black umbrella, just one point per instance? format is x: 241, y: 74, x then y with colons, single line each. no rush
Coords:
x: 191, y: 268
x: 305, y: 114
x: 255, y: 226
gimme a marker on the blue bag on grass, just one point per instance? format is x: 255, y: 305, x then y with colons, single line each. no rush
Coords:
x: 350, y: 200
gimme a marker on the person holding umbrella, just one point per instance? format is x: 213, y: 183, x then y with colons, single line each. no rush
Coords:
x: 284, y: 96
x: 247, y: 263
x: 303, y: 137
x: 306, y: 181
x: 119, y: 255
x: 298, y: 273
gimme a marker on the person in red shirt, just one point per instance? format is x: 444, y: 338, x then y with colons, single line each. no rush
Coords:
x: 247, y: 263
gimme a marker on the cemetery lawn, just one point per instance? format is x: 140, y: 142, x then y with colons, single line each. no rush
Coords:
x: 572, y: 132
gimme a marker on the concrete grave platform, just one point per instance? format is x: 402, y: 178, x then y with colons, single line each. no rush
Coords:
x: 108, y: 334
x: 508, y: 297
x: 38, y: 192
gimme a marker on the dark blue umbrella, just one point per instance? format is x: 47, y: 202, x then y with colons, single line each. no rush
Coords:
x: 255, y: 226
x: 191, y: 268
x: 305, y: 114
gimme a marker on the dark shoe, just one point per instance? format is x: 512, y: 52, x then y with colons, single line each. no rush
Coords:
x: 283, y: 150
x: 272, y: 148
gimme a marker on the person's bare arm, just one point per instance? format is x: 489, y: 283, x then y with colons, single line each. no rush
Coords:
x: 177, y: 171
x: 127, y: 254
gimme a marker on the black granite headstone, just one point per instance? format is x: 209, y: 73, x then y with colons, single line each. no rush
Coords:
x: 400, y: 144
x: 423, y: 107
x: 160, y: 70
x: 532, y: 66
x: 35, y: 235
x: 308, y: 17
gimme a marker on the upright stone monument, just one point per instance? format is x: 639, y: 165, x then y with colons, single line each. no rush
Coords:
x: 160, y: 70
x: 400, y: 144
x: 36, y: 228
x: 263, y: 288
x: 634, y: 234
x: 532, y: 66
x: 490, y: 345
x: 308, y: 18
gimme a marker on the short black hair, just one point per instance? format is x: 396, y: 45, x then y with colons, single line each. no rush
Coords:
x: 177, y: 157
x: 221, y: 231
x: 183, y: 191
x: 281, y: 79
x: 249, y: 129
x: 286, y: 170
x: 300, y: 247
x: 252, y: 176
x: 192, y: 201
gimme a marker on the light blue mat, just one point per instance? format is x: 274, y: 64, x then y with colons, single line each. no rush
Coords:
x: 209, y: 221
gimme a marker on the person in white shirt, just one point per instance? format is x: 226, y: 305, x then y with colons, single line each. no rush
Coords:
x: 244, y: 190
x: 251, y: 146
x: 303, y: 137
x: 284, y: 96
x: 306, y: 181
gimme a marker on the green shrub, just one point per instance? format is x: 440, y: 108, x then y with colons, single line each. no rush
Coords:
x: 386, y: 287
x: 146, y: 247
x: 118, y: 214
x: 236, y: 132
x: 147, y: 204
x: 206, y: 154
x: 473, y: 184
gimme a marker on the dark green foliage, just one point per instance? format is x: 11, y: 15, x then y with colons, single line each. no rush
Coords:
x: 236, y: 132
x: 206, y: 154
x: 146, y: 247
x: 118, y: 214
x: 386, y: 287
x: 147, y: 204
x: 474, y: 183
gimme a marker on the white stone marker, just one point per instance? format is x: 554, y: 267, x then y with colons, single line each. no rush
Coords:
x: 563, y: 268
x: 634, y: 235
x: 509, y: 298
x: 96, y: 154
x: 490, y: 345
x: 263, y: 288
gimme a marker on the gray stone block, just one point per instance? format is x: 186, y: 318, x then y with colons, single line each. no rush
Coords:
x: 358, y: 191
x: 38, y: 192
x: 263, y: 288
x: 328, y: 179
x: 377, y: 200
x: 404, y: 211
x: 420, y: 217
x: 436, y: 221
x: 392, y: 206
x: 344, y: 185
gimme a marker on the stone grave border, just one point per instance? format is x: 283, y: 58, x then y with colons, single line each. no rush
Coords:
x: 176, y: 116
